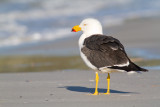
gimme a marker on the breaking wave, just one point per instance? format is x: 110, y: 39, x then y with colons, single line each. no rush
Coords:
x: 28, y: 21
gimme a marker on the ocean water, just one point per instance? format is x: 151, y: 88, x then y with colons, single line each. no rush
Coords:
x: 35, y: 21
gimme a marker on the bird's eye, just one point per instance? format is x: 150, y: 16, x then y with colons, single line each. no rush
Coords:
x: 84, y: 24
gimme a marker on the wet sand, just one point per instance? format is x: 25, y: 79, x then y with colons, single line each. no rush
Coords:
x: 15, y: 64
x: 140, y: 33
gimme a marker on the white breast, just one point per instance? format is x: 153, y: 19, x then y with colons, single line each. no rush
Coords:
x: 81, y: 41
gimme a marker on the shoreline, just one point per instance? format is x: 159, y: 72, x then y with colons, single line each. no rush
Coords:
x: 15, y: 64
x: 142, y: 33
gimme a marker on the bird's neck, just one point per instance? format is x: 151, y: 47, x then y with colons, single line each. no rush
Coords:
x: 88, y: 34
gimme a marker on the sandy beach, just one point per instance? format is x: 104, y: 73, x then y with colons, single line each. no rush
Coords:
x: 70, y: 87
x: 40, y: 64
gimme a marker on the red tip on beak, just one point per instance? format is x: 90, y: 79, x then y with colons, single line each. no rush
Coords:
x: 73, y: 30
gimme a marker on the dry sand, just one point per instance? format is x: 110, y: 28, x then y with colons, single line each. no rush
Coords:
x: 70, y: 89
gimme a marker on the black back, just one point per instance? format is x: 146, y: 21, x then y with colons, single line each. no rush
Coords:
x: 106, y: 51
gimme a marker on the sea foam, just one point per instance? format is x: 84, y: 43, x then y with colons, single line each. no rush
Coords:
x: 28, y: 21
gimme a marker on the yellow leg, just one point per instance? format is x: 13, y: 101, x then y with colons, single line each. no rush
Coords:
x: 108, y: 81
x: 96, y: 88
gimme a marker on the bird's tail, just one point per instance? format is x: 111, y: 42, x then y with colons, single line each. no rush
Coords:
x: 137, y: 68
x: 130, y: 67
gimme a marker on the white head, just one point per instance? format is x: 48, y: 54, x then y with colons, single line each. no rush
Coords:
x: 89, y: 27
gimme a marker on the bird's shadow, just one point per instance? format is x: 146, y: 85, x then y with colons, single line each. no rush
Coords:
x: 91, y: 90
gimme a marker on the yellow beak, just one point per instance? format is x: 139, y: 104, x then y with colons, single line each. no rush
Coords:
x: 76, y: 28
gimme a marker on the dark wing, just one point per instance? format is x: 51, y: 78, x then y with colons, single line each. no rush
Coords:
x: 104, y: 51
